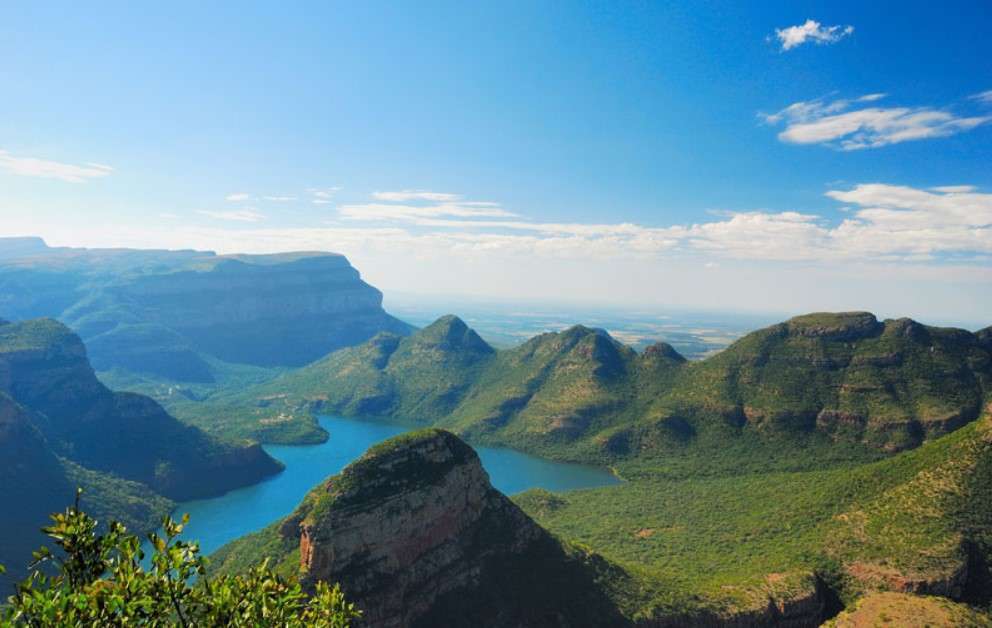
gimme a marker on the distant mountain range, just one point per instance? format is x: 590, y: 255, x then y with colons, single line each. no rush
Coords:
x: 166, y: 313
x: 61, y: 428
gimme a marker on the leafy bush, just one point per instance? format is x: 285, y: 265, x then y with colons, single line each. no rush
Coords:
x: 101, y: 580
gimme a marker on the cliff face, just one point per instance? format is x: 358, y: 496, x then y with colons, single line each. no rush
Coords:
x: 43, y: 366
x: 416, y: 535
x: 157, y: 312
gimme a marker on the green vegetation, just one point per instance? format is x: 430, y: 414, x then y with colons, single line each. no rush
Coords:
x: 909, y: 611
x: 60, y: 428
x: 832, y: 450
x: 819, y: 390
x: 918, y: 517
x: 98, y: 579
x: 202, y: 404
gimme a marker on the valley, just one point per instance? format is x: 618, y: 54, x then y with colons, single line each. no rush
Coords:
x: 782, y: 475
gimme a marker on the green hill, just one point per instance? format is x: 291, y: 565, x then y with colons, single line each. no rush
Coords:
x: 809, y: 464
x: 44, y: 368
x: 35, y: 482
x: 817, y: 390
x: 60, y: 429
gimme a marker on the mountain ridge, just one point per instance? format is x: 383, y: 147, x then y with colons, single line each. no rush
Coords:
x: 843, y: 384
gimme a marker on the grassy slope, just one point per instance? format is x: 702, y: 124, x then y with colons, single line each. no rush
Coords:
x: 204, y: 404
x: 911, y: 514
x: 909, y: 611
x: 47, y: 371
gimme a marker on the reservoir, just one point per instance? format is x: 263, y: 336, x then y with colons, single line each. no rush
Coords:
x: 218, y: 520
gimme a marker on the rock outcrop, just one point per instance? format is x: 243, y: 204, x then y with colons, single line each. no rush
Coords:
x: 416, y: 535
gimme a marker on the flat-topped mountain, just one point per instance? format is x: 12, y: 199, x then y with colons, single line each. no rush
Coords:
x: 163, y: 312
x: 417, y: 536
x: 844, y: 385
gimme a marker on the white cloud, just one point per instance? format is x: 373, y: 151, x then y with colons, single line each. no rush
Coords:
x: 237, y: 197
x: 279, y: 199
x: 954, y: 188
x: 416, y: 195
x: 836, y: 124
x: 985, y: 97
x: 420, y: 214
x: 794, y: 36
x: 238, y: 215
x: 35, y: 167
x: 885, y: 222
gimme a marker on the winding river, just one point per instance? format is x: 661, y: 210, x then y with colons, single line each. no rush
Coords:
x: 218, y: 520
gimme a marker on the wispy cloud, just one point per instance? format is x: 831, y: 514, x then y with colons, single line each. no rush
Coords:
x: 238, y: 197
x: 416, y: 195
x: 811, y: 31
x: 886, y: 222
x: 322, y: 196
x: 850, y: 125
x: 279, y: 199
x: 432, y: 207
x: 985, y: 97
x: 238, y: 215
x: 43, y: 168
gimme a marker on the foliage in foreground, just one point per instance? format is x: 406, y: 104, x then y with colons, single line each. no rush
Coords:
x: 101, y: 580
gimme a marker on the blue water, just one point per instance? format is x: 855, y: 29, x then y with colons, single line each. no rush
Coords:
x: 218, y: 520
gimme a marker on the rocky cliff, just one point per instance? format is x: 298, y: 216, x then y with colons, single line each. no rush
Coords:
x: 417, y: 536
x: 161, y: 312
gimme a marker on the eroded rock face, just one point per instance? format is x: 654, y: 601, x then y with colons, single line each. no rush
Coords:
x: 416, y: 535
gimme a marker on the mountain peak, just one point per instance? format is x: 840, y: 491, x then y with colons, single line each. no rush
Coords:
x: 663, y: 350
x: 413, y: 459
x: 450, y: 332
x: 835, y: 325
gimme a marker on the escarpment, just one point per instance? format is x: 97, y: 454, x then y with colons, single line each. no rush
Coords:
x: 166, y: 313
x: 417, y: 536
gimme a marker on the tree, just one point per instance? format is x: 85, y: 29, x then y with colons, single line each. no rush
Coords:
x: 97, y: 579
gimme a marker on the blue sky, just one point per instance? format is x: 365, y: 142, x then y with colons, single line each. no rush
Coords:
x: 776, y: 156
